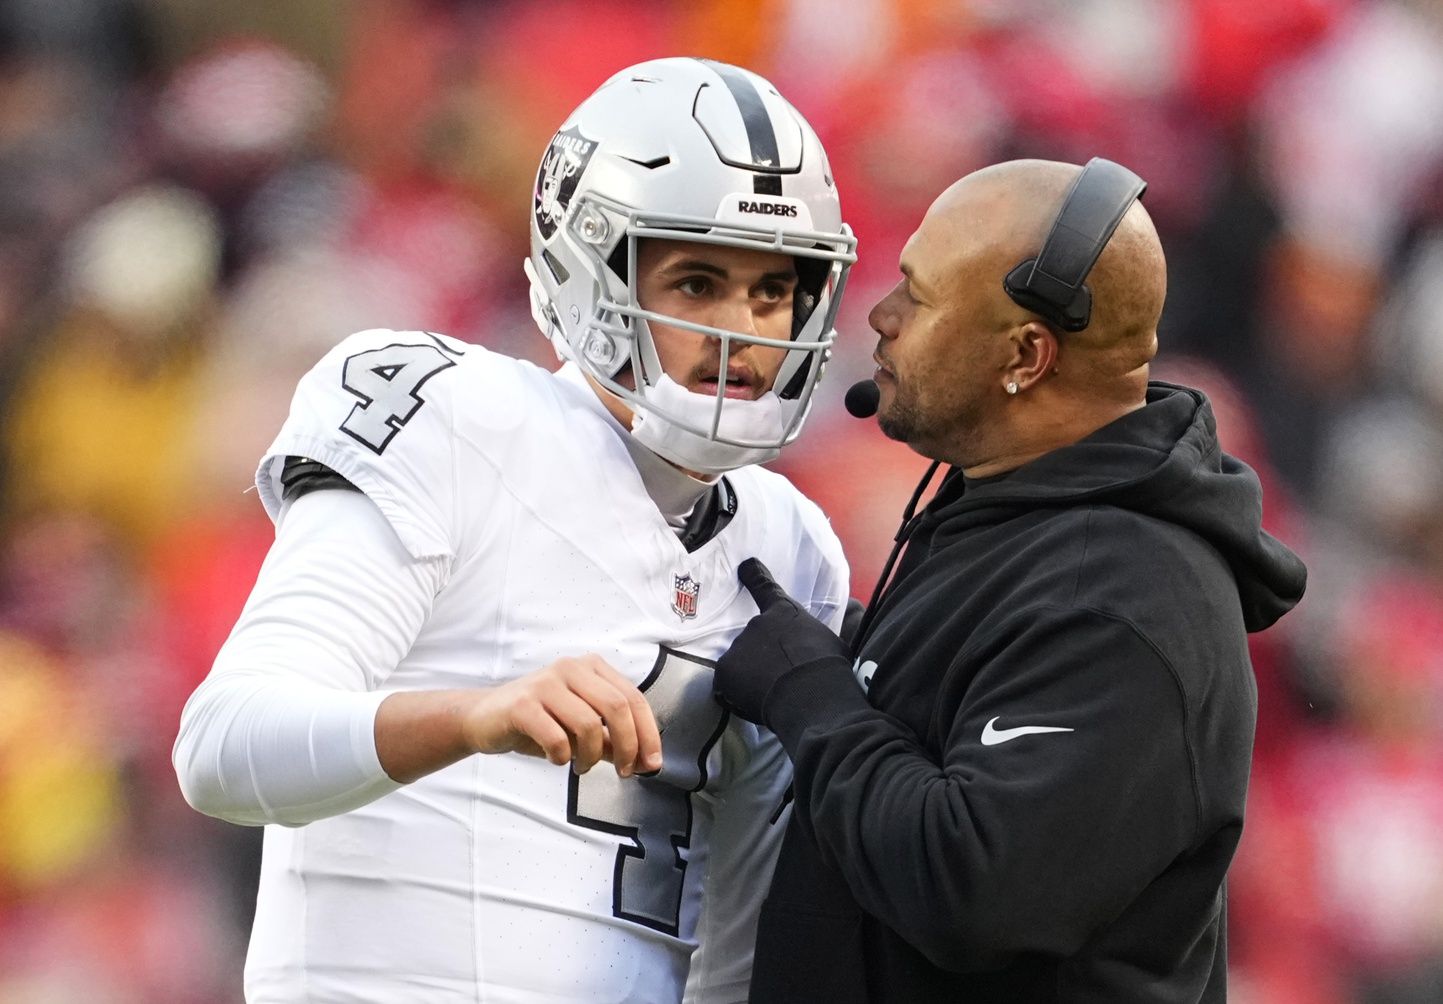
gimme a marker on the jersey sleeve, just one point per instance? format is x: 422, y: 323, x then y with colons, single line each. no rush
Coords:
x: 377, y: 409
x: 282, y: 730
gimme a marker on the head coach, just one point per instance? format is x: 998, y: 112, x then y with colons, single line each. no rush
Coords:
x: 1024, y: 779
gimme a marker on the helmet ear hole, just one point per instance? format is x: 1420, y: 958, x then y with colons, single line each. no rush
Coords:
x: 797, y: 383
x: 558, y: 270
x: 811, y: 279
x: 619, y: 259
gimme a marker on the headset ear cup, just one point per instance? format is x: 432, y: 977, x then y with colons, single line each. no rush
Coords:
x: 1075, y: 315
x: 1052, y: 284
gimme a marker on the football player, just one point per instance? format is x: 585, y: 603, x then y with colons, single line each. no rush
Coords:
x: 474, y: 555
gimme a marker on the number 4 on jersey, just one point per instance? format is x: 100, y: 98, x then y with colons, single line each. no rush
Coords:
x: 653, y: 815
x: 388, y: 381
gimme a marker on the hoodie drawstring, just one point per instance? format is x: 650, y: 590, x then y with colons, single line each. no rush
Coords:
x: 910, y: 519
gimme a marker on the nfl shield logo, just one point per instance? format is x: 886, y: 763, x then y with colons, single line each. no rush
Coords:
x: 684, y: 598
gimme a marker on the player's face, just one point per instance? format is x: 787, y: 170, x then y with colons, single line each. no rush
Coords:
x: 735, y: 289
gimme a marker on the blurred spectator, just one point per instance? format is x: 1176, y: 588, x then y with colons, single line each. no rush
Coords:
x: 231, y: 117
x: 89, y: 910
x: 64, y: 75
x: 1350, y: 138
x: 1408, y: 329
x: 95, y: 425
x: 1381, y: 509
x: 1236, y: 45
x: 58, y: 801
x: 1352, y: 819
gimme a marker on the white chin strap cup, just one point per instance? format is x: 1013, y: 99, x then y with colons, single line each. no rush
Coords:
x: 667, y: 429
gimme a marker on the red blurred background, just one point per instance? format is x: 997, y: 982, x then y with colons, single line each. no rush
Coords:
x: 196, y: 201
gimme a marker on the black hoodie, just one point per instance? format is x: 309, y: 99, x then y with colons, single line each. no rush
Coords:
x: 1039, y: 795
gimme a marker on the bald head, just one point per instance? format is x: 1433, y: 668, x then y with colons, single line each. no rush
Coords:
x: 1007, y: 210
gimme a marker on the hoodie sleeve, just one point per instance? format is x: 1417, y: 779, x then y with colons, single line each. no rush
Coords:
x: 1058, y: 784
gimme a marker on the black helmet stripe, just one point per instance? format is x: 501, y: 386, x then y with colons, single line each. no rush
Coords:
x: 760, y: 134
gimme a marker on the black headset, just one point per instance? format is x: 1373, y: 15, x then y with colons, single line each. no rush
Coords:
x: 1051, y: 284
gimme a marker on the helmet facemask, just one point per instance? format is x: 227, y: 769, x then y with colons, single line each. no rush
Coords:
x: 585, y: 282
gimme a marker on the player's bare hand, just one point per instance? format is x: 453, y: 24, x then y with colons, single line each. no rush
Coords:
x: 576, y: 710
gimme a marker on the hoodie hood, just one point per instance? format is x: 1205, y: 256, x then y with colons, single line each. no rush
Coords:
x: 1162, y: 460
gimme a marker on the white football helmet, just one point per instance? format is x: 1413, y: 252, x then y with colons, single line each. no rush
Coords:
x: 694, y: 150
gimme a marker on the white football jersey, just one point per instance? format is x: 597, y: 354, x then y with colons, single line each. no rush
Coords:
x: 506, y: 878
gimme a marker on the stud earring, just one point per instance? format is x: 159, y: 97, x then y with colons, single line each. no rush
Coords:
x: 1012, y: 386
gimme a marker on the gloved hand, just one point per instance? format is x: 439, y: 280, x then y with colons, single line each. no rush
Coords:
x: 779, y: 640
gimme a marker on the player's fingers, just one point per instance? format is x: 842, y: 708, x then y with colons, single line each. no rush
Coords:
x: 582, y: 721
x: 611, y: 696
x: 645, y: 752
x: 527, y: 746
x: 648, y: 736
x: 759, y: 582
x: 540, y: 733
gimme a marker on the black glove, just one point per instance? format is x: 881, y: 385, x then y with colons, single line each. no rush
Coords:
x: 780, y: 639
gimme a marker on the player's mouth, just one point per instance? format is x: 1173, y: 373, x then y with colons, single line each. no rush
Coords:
x: 741, y: 382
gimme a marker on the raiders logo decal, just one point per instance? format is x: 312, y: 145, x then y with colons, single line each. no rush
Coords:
x: 565, y: 161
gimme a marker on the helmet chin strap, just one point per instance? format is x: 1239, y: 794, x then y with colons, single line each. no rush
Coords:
x: 748, y: 421
x: 543, y: 312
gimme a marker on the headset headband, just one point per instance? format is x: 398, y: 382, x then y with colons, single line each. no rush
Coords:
x: 1051, y: 284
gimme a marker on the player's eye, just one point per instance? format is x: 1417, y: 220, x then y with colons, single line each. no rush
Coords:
x: 774, y: 292
x: 695, y: 285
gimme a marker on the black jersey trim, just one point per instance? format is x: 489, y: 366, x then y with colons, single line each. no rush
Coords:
x: 711, y: 515
x: 302, y: 475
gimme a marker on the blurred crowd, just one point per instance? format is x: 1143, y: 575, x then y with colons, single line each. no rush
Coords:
x: 197, y: 200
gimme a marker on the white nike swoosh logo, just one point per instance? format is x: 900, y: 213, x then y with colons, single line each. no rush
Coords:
x: 992, y: 736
